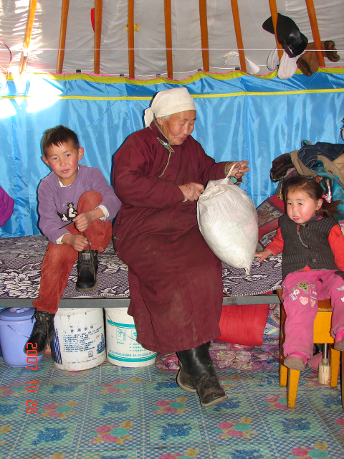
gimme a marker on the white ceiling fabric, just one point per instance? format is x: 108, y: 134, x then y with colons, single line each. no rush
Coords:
x: 150, y: 56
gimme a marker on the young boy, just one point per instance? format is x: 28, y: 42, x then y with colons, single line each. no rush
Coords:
x: 80, y: 195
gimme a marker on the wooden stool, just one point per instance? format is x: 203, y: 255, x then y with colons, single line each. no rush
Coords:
x: 322, y: 327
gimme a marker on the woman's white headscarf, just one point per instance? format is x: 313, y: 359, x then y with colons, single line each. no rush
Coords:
x: 168, y: 102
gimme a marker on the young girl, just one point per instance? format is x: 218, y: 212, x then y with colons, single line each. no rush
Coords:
x: 312, y: 244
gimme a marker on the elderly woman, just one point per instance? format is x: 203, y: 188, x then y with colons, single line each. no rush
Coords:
x: 175, y: 279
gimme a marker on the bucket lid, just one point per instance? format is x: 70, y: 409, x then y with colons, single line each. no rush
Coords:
x: 75, y: 311
x: 15, y: 314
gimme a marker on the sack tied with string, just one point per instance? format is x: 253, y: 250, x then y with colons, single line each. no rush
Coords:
x: 227, y: 219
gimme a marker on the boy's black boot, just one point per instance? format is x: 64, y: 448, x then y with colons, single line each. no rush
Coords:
x: 87, y: 270
x: 42, y: 333
x: 198, y: 365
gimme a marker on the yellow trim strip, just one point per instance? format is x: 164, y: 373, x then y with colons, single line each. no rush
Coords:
x: 191, y: 79
x: 195, y: 96
x: 276, y: 93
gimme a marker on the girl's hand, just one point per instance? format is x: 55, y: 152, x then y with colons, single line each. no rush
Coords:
x: 263, y: 255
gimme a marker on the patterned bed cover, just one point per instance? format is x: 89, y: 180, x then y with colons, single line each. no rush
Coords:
x: 21, y: 259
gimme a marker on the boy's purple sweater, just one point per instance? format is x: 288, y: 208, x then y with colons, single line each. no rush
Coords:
x: 54, y: 199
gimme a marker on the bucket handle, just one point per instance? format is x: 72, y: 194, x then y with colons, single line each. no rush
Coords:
x: 18, y: 332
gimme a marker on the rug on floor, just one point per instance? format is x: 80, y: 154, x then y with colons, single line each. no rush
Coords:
x: 113, y: 412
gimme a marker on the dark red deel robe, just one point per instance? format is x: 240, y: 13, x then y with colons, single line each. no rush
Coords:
x: 175, y: 280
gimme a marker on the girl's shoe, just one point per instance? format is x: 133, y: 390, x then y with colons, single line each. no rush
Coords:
x: 295, y: 361
x: 314, y: 361
x: 339, y: 340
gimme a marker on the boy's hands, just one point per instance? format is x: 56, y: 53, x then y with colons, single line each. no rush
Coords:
x: 263, y: 255
x: 83, y: 221
x: 78, y: 242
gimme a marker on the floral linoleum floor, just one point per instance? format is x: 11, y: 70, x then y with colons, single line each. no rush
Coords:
x: 140, y: 413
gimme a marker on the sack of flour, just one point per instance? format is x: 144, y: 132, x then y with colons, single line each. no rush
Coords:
x: 228, y: 221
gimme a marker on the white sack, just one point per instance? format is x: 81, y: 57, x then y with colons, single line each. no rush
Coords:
x: 228, y: 221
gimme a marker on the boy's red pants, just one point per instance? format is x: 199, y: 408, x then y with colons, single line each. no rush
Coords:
x: 60, y: 258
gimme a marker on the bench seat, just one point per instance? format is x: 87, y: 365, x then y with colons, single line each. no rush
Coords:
x: 21, y: 259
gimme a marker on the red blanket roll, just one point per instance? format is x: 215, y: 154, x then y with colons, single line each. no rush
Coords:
x: 243, y: 324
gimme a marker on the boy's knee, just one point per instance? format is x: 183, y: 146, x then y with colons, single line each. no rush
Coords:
x: 59, y: 254
x: 89, y: 200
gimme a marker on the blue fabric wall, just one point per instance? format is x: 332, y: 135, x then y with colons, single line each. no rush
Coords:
x: 238, y: 117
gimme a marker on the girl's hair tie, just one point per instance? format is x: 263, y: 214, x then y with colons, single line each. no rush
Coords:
x: 327, y: 197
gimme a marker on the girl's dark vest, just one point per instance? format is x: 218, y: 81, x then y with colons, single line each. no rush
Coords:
x: 306, y: 245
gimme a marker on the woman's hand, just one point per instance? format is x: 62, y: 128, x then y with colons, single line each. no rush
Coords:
x: 192, y: 191
x: 239, y: 170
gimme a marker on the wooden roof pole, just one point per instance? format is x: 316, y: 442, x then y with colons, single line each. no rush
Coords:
x: 204, y: 34
x: 27, y: 39
x: 62, y: 41
x: 168, y: 35
x: 315, y: 31
x: 273, y: 11
x: 98, y: 12
x: 131, y: 38
x: 237, y: 28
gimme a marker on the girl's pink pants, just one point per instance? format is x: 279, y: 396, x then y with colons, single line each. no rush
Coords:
x: 301, y: 292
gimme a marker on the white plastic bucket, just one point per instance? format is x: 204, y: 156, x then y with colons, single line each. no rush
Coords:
x: 79, y: 341
x: 121, y: 345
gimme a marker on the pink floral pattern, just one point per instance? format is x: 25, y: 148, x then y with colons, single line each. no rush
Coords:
x: 14, y: 389
x: 172, y: 406
x: 58, y: 410
x: 190, y: 453
x: 113, y: 433
x: 340, y: 422
x: 309, y: 452
x: 236, y: 429
x: 120, y: 387
x: 276, y: 403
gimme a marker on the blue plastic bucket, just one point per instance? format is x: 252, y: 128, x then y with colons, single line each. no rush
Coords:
x: 16, y: 325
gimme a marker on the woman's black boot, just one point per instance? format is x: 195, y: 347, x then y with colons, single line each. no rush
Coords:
x: 198, y: 365
x: 184, y: 380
